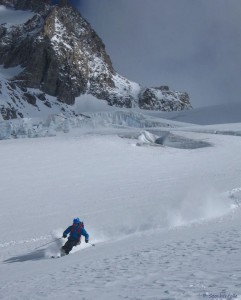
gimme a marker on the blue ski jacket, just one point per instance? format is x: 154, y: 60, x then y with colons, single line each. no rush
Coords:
x: 76, y: 232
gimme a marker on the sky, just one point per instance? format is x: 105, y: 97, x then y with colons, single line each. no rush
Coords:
x: 190, y: 45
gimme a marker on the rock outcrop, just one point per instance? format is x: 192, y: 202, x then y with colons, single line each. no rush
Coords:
x: 161, y: 98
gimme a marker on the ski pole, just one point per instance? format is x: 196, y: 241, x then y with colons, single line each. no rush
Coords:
x: 92, y: 244
x: 48, y: 243
x: 85, y: 116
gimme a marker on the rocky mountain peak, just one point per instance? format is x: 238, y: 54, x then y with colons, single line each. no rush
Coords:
x: 62, y: 56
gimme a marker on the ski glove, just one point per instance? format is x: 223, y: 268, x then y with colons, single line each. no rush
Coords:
x: 64, y: 235
x: 87, y: 241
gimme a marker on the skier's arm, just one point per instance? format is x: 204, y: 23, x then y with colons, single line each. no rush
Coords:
x: 67, y: 231
x: 85, y: 234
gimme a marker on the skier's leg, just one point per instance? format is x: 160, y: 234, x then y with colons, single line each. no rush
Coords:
x: 70, y: 246
x: 66, y: 247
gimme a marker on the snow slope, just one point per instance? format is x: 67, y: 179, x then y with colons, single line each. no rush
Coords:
x: 216, y: 114
x: 165, y: 220
x: 11, y: 17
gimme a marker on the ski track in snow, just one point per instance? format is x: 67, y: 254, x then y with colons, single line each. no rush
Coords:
x: 166, y: 222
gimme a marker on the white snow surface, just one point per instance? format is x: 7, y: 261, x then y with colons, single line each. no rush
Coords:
x: 9, y: 73
x: 216, y: 114
x: 165, y: 220
x: 11, y: 17
x: 87, y: 103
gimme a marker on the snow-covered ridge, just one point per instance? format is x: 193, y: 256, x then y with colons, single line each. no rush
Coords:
x: 16, y: 102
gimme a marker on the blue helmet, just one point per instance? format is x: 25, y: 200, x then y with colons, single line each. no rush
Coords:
x: 76, y: 221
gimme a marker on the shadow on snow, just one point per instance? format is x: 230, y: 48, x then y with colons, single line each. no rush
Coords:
x: 32, y: 256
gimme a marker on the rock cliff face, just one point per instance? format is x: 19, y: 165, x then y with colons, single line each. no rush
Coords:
x: 61, y: 56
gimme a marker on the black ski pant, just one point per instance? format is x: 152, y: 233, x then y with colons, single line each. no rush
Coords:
x: 68, y: 246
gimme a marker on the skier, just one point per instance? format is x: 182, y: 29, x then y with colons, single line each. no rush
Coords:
x: 75, y: 231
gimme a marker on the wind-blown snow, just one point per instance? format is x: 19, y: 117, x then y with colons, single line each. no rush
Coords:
x: 89, y: 104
